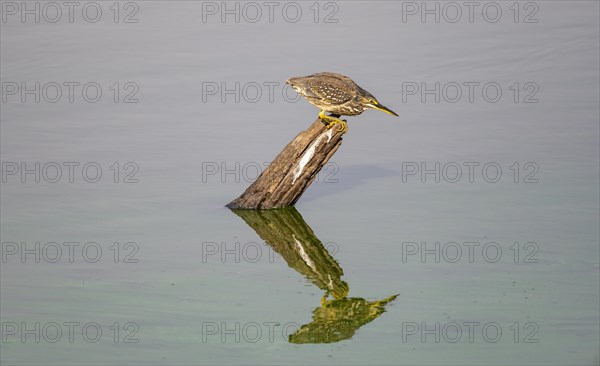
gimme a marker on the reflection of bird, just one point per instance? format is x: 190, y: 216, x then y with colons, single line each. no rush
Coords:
x: 337, y: 320
x: 336, y: 94
x: 289, y: 235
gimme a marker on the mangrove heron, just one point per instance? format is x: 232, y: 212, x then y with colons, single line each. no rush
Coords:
x: 336, y: 94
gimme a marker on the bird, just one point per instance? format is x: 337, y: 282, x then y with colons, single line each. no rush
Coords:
x: 336, y: 94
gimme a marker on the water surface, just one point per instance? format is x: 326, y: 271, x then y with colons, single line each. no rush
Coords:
x: 208, y: 288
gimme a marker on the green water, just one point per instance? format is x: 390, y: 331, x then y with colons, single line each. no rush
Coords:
x: 487, y: 269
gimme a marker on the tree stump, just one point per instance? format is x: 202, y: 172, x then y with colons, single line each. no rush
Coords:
x: 293, y: 170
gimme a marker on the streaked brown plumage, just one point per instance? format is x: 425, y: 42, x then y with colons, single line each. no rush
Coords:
x: 336, y: 94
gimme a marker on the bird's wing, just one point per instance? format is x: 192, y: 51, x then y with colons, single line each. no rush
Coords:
x: 328, y: 90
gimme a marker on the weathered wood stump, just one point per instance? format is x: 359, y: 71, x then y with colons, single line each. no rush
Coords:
x: 293, y: 170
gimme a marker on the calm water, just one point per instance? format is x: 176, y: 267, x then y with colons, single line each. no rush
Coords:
x: 494, y: 265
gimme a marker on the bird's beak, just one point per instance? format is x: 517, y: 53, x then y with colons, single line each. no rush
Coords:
x: 381, y: 107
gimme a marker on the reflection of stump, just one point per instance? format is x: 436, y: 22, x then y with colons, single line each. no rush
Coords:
x: 293, y: 170
x: 288, y: 234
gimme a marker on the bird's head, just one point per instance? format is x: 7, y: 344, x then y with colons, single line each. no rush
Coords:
x: 369, y: 101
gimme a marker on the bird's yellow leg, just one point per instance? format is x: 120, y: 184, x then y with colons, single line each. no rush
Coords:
x: 332, y: 121
x: 324, y: 298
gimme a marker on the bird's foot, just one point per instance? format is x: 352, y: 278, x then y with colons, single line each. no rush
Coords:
x: 329, y: 121
x: 341, y: 122
x: 324, y: 298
